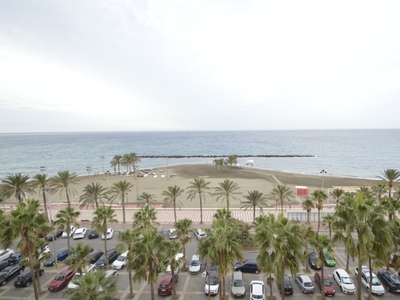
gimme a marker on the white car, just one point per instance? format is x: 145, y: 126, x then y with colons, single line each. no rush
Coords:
x: 121, y: 261
x: 5, y: 254
x: 344, y: 280
x: 172, y: 234
x: 109, y: 273
x: 257, y: 290
x: 195, y: 265
x: 212, y: 283
x: 377, y: 287
x: 45, y: 250
x: 72, y: 285
x: 200, y: 233
x: 80, y: 233
x: 178, y: 258
x: 109, y: 234
x: 65, y: 235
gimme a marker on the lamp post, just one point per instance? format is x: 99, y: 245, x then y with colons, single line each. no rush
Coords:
x: 52, y: 232
x: 42, y: 169
x: 323, y: 172
x: 102, y: 165
x: 88, y: 169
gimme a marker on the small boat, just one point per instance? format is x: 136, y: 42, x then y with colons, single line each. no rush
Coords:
x: 250, y: 163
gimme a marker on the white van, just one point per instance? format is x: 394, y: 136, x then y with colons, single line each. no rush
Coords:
x: 72, y: 285
x: 195, y: 265
x: 121, y: 261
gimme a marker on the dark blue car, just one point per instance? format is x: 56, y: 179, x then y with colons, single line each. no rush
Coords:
x: 249, y: 266
x: 14, y: 258
x: 61, y: 255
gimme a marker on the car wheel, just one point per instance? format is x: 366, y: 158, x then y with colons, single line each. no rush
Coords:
x: 55, y: 238
x: 257, y: 272
x: 41, y: 273
x: 341, y: 288
x: 20, y: 271
x: 27, y: 284
x: 3, y: 283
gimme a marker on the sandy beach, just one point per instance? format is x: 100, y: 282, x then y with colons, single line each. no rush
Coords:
x: 248, y: 179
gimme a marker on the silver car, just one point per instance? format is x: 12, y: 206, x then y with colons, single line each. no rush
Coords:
x: 305, y: 283
x: 238, y: 286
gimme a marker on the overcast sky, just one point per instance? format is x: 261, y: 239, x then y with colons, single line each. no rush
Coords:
x: 198, y: 65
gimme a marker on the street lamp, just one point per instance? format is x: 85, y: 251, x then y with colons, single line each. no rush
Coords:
x: 102, y: 164
x: 88, y: 169
x: 42, y: 169
x: 323, y: 172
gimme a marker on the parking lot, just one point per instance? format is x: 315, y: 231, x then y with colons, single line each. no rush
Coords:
x: 188, y: 286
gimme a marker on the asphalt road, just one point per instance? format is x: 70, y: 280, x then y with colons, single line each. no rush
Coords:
x: 188, y: 286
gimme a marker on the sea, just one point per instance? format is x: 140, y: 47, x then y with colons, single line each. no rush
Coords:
x: 346, y: 153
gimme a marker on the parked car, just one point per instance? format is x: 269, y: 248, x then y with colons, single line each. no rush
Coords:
x: 5, y: 254
x: 249, y: 266
x: 71, y: 233
x: 93, y: 234
x: 313, y: 261
x: 172, y: 234
x: 112, y: 256
x: 3, y: 264
x: 377, y: 287
x: 61, y: 280
x: 57, y: 234
x: 344, y: 280
x: 329, y: 260
x: 257, y: 290
x: 391, y: 281
x: 80, y: 233
x: 324, y: 283
x: 60, y: 256
x: 94, y: 256
x: 25, y: 279
x: 45, y: 250
x: 238, y: 286
x: 10, y: 272
x: 195, y: 265
x: 165, y: 286
x: 178, y: 258
x: 287, y: 285
x: 109, y: 234
x: 72, y: 285
x: 121, y: 261
x: 304, y: 282
x: 109, y: 273
x: 200, y: 233
x: 212, y: 283
x: 14, y: 258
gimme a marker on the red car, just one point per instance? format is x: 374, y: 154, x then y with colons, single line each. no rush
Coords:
x: 165, y: 287
x: 324, y: 284
x: 61, y: 280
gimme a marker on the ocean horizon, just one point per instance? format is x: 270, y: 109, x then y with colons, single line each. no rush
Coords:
x: 360, y: 153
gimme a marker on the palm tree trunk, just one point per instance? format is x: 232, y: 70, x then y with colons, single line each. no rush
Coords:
x: 271, y: 295
x: 130, y: 283
x: 370, y: 282
x: 254, y: 213
x: 152, y: 288
x: 105, y: 248
x: 282, y: 206
x: 123, y: 208
x: 66, y: 192
x: 227, y: 203
x: 175, y: 210
x: 308, y: 217
x: 45, y: 204
x: 322, y: 278
x: 201, y: 210
x: 33, y: 278
x: 283, y: 289
x: 38, y: 282
x: 319, y: 219
x: 68, y: 241
x: 359, y: 284
x: 347, y: 262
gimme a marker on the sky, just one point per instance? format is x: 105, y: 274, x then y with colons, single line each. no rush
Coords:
x: 122, y: 65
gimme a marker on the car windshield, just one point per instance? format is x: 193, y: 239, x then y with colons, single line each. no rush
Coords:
x: 121, y: 258
x: 59, y: 277
x: 213, y: 281
x: 257, y: 296
x: 375, y: 281
x: 238, y: 282
x: 328, y: 256
x: 347, y: 280
x: 163, y: 286
x: 308, y: 284
x: 327, y: 282
x: 195, y: 263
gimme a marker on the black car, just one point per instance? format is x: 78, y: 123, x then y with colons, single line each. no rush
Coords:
x: 94, y: 256
x: 3, y: 264
x: 14, y: 258
x: 112, y: 256
x: 287, y: 285
x: 312, y: 261
x: 389, y: 279
x: 57, y: 234
x: 249, y: 266
x: 10, y: 272
x: 25, y: 279
x: 93, y: 234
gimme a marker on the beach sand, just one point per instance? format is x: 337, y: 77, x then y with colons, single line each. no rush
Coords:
x: 248, y: 179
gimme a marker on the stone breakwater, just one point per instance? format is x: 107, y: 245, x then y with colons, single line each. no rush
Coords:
x: 217, y: 156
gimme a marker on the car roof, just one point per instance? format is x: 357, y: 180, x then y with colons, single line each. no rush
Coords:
x: 257, y: 286
x: 304, y: 277
x: 342, y: 273
x: 166, y: 278
x: 80, y: 229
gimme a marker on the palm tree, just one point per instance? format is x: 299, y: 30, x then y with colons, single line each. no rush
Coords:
x: 93, y: 193
x: 41, y: 181
x: 94, y: 286
x: 37, y: 256
x: 308, y: 205
x: 22, y: 225
x: 62, y: 181
x: 390, y: 176
x: 327, y: 220
x: 116, y: 162
x: 65, y: 219
x: 232, y: 160
x: 319, y: 196
x: 145, y: 219
x: 198, y: 187
x: 282, y: 192
x: 254, y: 199
x: 77, y: 257
x: 321, y: 242
x: 120, y: 189
x: 226, y: 189
x: 184, y: 232
x: 128, y: 238
x: 149, y: 253
x: 172, y: 193
x: 391, y: 205
x: 337, y: 194
x: 16, y: 185
x: 172, y: 249
x: 102, y: 217
x: 380, y: 189
x: 147, y: 199
x: 280, y: 242
x: 306, y: 232
x: 127, y: 161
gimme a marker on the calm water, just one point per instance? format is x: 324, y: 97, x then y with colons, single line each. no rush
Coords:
x: 352, y: 153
